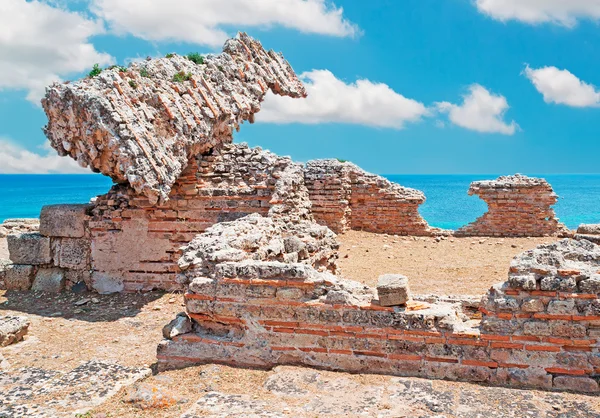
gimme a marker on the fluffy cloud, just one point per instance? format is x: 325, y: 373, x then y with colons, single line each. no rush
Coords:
x: 202, y: 21
x: 17, y: 160
x: 480, y: 111
x: 563, y: 87
x: 40, y: 43
x: 331, y: 100
x: 562, y: 12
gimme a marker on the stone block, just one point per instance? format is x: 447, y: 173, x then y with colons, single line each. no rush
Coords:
x: 106, y: 283
x: 182, y: 324
x: 12, y: 329
x: 72, y: 253
x: 577, y: 384
x: 19, y: 277
x: 29, y: 248
x: 49, y: 280
x: 393, y: 290
x: 4, y: 265
x: 592, y: 229
x: 63, y: 221
x: 591, y: 285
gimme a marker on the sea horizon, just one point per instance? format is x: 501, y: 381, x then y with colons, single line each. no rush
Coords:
x: 447, y: 203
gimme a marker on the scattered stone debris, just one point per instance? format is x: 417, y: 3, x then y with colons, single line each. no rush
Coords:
x: 15, y: 226
x: 392, y: 290
x: 13, y: 329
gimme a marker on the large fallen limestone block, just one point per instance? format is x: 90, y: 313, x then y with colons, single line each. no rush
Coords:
x: 12, y: 329
x: 142, y: 125
x: 29, y: 248
x: 392, y: 290
x: 63, y: 220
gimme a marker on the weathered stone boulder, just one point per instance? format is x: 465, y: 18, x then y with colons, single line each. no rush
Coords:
x: 63, y: 220
x: 591, y: 229
x: 12, y: 329
x: 49, y: 280
x: 393, y: 290
x: 142, y: 125
x: 180, y: 325
x: 29, y: 248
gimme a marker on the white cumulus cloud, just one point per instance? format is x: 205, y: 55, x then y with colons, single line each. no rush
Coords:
x: 562, y: 12
x: 480, y: 111
x: 39, y: 44
x: 563, y: 87
x: 203, y: 21
x: 15, y: 159
x: 331, y: 100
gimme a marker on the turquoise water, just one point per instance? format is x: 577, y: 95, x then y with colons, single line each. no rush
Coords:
x: 447, y: 206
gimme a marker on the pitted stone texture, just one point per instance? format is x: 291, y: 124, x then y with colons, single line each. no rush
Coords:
x: 12, y: 329
x: 346, y: 197
x: 63, y: 220
x: 392, y: 290
x: 517, y: 206
x: 180, y: 325
x: 72, y: 253
x: 566, y: 265
x: 49, y: 280
x: 29, y: 248
x: 19, y: 277
x: 4, y: 264
x: 142, y: 127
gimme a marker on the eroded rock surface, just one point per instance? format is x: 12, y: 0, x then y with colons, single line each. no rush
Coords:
x: 12, y: 329
x: 142, y: 126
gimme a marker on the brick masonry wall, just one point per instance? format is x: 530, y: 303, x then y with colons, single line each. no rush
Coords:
x: 528, y: 337
x: 346, y: 197
x: 518, y: 206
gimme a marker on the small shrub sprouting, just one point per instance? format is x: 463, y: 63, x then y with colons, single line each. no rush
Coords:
x: 169, y: 55
x: 220, y: 67
x: 95, y: 70
x: 195, y: 58
x: 133, y: 84
x: 341, y: 161
x: 182, y: 76
x: 118, y: 67
x: 144, y: 72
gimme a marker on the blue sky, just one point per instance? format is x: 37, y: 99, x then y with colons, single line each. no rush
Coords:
x: 410, y: 86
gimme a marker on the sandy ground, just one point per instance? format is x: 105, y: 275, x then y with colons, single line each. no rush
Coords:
x: 452, y: 266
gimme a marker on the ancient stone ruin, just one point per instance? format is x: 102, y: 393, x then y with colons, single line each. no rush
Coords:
x: 250, y: 237
x: 518, y: 206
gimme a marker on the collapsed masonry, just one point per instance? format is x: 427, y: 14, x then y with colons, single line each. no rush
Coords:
x: 518, y: 206
x: 247, y: 306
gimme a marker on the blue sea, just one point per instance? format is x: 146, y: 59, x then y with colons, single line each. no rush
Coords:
x: 447, y: 206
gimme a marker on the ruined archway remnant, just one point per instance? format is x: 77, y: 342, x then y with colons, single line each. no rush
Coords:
x: 518, y: 206
x: 346, y: 197
x: 141, y: 126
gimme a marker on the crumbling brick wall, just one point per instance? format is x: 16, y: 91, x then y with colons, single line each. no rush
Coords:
x: 518, y: 206
x: 346, y: 197
x: 540, y: 329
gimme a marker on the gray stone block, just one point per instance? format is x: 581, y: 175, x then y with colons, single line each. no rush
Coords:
x: 29, y: 248
x: 49, y: 280
x: 63, y: 221
x: 18, y: 277
x: 106, y: 283
x: 592, y: 229
x: 393, y: 290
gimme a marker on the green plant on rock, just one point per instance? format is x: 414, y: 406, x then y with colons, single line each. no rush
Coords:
x: 169, y: 55
x: 133, y: 84
x: 341, y: 161
x: 95, y: 70
x: 144, y: 72
x: 182, y: 76
x: 195, y: 57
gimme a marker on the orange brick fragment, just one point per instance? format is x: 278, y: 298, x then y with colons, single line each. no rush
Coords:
x: 490, y: 364
x: 550, y: 348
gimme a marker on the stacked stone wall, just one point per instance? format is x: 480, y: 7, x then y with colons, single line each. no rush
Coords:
x: 518, y: 206
x: 540, y: 332
x: 346, y: 197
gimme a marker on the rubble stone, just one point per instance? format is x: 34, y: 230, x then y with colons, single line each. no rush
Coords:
x: 12, y: 329
x: 29, y: 248
x: 63, y: 220
x: 591, y: 229
x: 392, y: 290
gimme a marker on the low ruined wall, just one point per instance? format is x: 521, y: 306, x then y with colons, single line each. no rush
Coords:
x: 537, y: 332
x: 346, y: 197
x: 518, y: 206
